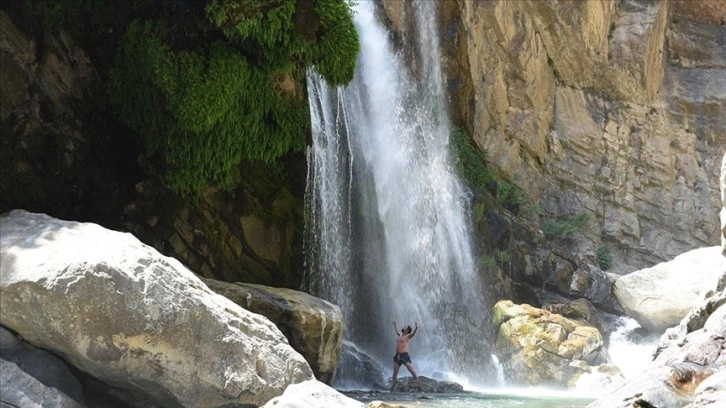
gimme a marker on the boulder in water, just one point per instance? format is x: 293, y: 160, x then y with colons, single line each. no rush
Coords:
x: 537, y: 347
x: 426, y: 385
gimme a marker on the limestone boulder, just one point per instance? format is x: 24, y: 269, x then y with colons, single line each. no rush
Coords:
x: 313, y: 326
x: 537, y: 347
x: 687, y: 371
x: 660, y: 296
x: 312, y: 393
x: 121, y: 312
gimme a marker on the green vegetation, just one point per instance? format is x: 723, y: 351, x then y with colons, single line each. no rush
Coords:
x: 471, y: 166
x: 470, y: 163
x: 498, y: 257
x: 604, y: 258
x: 511, y: 195
x: 565, y: 227
x: 210, y: 84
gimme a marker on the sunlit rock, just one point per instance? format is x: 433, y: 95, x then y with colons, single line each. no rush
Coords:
x: 660, y: 296
x: 537, y: 347
x: 118, y: 310
x: 690, y: 363
x: 614, y: 108
x: 313, y: 326
x: 312, y: 393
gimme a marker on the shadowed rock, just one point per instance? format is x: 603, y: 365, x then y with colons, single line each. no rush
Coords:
x: 426, y: 385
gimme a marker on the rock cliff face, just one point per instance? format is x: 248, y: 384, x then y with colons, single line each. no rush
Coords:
x: 610, y: 108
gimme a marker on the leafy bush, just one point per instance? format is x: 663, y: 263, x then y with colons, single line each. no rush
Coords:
x: 604, y: 258
x: 470, y: 163
x: 511, y: 195
x: 565, y: 227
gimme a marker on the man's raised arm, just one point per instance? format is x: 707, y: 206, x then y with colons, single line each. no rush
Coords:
x: 396, y: 328
x: 415, y: 329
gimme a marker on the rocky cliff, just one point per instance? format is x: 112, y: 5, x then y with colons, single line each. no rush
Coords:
x: 610, y: 108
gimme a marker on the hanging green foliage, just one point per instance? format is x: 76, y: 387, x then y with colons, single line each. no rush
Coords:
x: 203, y: 103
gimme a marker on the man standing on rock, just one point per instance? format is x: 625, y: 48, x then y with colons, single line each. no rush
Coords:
x: 402, y: 357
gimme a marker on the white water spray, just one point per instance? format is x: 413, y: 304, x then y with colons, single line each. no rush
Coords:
x: 388, y: 223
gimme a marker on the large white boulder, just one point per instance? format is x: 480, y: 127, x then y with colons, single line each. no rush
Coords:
x: 122, y: 312
x: 659, y: 297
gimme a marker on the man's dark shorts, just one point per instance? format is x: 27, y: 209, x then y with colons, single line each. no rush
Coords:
x: 401, y: 358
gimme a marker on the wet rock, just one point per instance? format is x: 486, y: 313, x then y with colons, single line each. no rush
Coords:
x: 426, y: 385
x: 537, y: 347
x: 690, y: 363
x: 358, y: 369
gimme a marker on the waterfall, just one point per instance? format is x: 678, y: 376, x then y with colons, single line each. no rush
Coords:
x: 388, y: 223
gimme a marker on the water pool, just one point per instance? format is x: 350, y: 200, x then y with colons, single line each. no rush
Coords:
x: 528, y: 398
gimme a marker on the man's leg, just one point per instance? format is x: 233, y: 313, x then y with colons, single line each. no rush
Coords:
x: 396, y: 367
x: 410, y: 369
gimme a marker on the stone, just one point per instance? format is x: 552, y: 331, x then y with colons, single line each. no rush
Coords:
x: 312, y: 393
x: 45, y: 368
x: 587, y: 108
x: 20, y: 389
x: 723, y: 205
x: 358, y: 369
x: 313, y: 326
x: 426, y: 385
x: 660, y: 296
x: 537, y: 347
x: 133, y: 318
x: 381, y: 404
x: 689, y: 368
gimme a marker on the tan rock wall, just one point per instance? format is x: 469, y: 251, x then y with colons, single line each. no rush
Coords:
x: 723, y: 200
x: 611, y: 108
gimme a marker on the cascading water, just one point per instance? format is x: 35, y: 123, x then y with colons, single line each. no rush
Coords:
x: 388, y: 224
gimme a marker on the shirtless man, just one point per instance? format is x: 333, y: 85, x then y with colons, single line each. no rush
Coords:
x: 402, y: 357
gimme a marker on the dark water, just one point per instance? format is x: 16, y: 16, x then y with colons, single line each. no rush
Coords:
x: 492, y: 399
